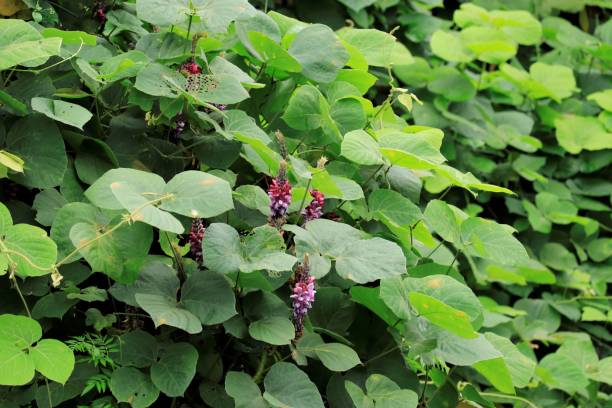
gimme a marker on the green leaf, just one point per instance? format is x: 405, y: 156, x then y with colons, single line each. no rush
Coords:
x: 288, y: 386
x: 197, y: 194
x: 136, y: 349
x: 603, y: 99
x: 29, y: 250
x: 387, y: 394
x: 490, y: 240
x: 380, y: 49
x: 320, y: 63
x: 273, y: 330
x: 175, y: 369
x: 359, y: 147
x: 65, y: 112
x: 369, y: 260
x: 448, y: 45
x: 166, y: 310
x: 372, y: 299
x: 70, y: 37
x: 334, y: 356
x: 37, y: 141
x: 16, y: 366
x: 273, y: 54
x: 497, y: 373
x: 440, y: 217
x: 53, y: 359
x: 102, y: 254
x: 576, y: 133
x: 357, y: 5
x: 561, y: 372
x: 553, y: 81
x: 159, y: 80
x: 307, y: 109
x: 241, y: 387
x: 221, y: 246
x: 20, y: 331
x: 22, y: 44
x: 452, y: 84
x: 209, y: 296
x: 394, y: 209
x: 489, y: 44
x: 134, y: 387
x: 454, y: 320
x: 101, y: 192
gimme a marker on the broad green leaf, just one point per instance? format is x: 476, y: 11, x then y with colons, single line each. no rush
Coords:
x: 561, y: 372
x: 159, y: 80
x: 70, y: 37
x: 273, y: 330
x: 123, y: 66
x: 47, y: 203
x: 334, y: 356
x: 448, y: 45
x: 387, y: 394
x: 369, y: 260
x: 380, y: 49
x: 241, y: 387
x: 38, y: 142
x: 576, y: 133
x: 287, y: 385
x: 539, y: 321
x: 146, y: 184
x: 520, y: 25
x: 166, y: 310
x: 131, y: 385
x: 136, y: 349
x: 392, y: 208
x: 454, y: 320
x: 371, y: 299
x: 175, y: 369
x: 22, y: 44
x: 29, y: 250
x: 320, y: 63
x: 197, y: 194
x: 307, y: 109
x: 273, y: 54
x: 209, y: 296
x: 449, y: 291
x: 520, y: 366
x: 452, y: 84
x: 490, y: 240
x: 359, y: 147
x: 53, y: 359
x: 221, y: 246
x: 489, y: 44
x: 442, y: 220
x: 102, y: 254
x: 143, y: 207
x: 16, y: 366
x: 553, y: 81
x: 464, y: 352
x: 20, y: 331
x: 603, y: 99
x: 497, y: 373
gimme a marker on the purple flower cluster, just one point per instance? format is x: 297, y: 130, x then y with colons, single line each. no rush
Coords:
x: 280, y: 197
x: 303, y: 297
x: 196, y: 235
x: 314, y: 210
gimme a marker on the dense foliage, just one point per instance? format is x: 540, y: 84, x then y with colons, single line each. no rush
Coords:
x: 368, y: 203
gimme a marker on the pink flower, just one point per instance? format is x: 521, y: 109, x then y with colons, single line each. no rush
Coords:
x: 303, y: 296
x: 280, y: 198
x: 196, y: 235
x: 191, y: 68
x: 314, y: 210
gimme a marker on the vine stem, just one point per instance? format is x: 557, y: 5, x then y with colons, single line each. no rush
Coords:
x: 261, y: 367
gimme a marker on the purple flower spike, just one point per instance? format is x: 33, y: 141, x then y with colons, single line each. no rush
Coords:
x: 314, y: 210
x: 280, y: 197
x: 196, y: 235
x: 303, y: 296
